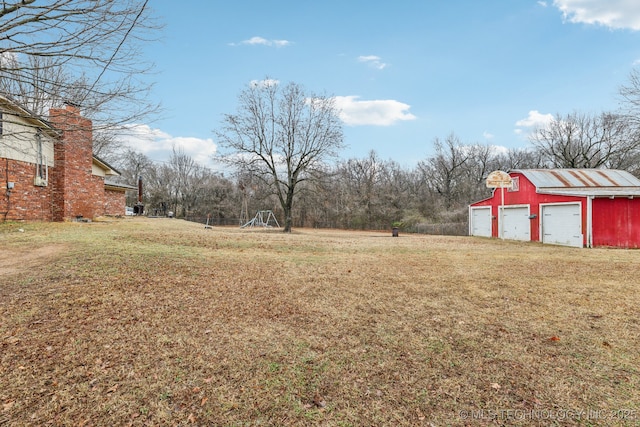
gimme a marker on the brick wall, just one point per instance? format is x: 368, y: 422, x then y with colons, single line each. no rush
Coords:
x: 76, y: 192
x: 25, y: 202
x: 114, y: 202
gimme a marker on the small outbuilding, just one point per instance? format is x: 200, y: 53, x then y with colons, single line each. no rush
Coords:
x: 570, y: 207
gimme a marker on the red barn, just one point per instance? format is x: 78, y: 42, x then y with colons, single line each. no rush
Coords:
x: 571, y: 207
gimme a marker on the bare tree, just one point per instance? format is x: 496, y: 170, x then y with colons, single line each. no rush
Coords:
x: 280, y: 135
x: 587, y: 141
x: 630, y: 99
x: 481, y: 161
x: 83, y: 51
x: 444, y: 172
x: 184, y: 171
x: 377, y: 191
x: 363, y: 180
x: 132, y: 165
x: 394, y: 195
x: 518, y: 158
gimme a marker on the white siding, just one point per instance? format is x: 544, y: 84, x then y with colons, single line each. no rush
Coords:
x: 19, y: 141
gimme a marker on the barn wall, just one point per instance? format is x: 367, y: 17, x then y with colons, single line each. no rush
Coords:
x: 527, y: 195
x: 616, y: 222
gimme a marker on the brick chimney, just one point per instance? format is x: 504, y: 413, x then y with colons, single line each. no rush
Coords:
x: 75, y: 189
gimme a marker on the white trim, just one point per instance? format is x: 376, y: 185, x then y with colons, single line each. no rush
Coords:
x: 589, y: 229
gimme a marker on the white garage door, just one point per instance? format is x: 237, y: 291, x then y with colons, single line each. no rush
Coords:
x: 481, y: 221
x: 516, y: 224
x: 562, y: 224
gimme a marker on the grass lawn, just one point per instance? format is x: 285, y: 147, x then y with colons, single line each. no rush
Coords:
x: 142, y: 321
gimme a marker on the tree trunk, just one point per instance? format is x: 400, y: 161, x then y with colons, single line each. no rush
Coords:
x: 287, y: 207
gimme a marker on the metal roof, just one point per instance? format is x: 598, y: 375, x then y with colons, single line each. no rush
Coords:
x: 630, y: 192
x: 601, y: 179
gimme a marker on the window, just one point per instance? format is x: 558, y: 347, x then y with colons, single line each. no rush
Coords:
x: 515, y: 184
x: 42, y: 171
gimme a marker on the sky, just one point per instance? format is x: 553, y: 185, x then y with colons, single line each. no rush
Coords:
x: 403, y: 73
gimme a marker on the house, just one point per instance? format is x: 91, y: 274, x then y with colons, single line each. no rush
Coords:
x: 47, y: 168
x: 571, y: 207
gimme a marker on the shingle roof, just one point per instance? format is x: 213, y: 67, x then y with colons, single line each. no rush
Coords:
x: 114, y: 184
x: 110, y: 169
x: 7, y: 102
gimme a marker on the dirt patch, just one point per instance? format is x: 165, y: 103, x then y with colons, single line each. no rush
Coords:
x: 15, y: 261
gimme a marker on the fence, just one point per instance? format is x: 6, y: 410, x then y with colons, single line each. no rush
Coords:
x: 443, y: 229
x: 214, y: 221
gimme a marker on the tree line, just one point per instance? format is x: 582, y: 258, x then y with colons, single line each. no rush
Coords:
x: 371, y: 192
x: 283, y: 142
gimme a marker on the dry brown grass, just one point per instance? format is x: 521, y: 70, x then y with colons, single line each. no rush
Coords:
x: 162, y: 322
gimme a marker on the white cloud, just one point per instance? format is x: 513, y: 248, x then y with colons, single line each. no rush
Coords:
x: 487, y: 135
x: 378, y: 112
x: 373, y: 61
x: 158, y: 145
x: 615, y: 14
x: 9, y: 58
x: 535, y: 119
x: 257, y: 40
x: 499, y: 149
x: 264, y: 83
x: 542, y: 3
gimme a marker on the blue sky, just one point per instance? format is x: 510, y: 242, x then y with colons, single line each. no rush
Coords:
x: 403, y: 72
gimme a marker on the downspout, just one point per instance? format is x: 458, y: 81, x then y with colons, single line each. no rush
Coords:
x: 589, y: 222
